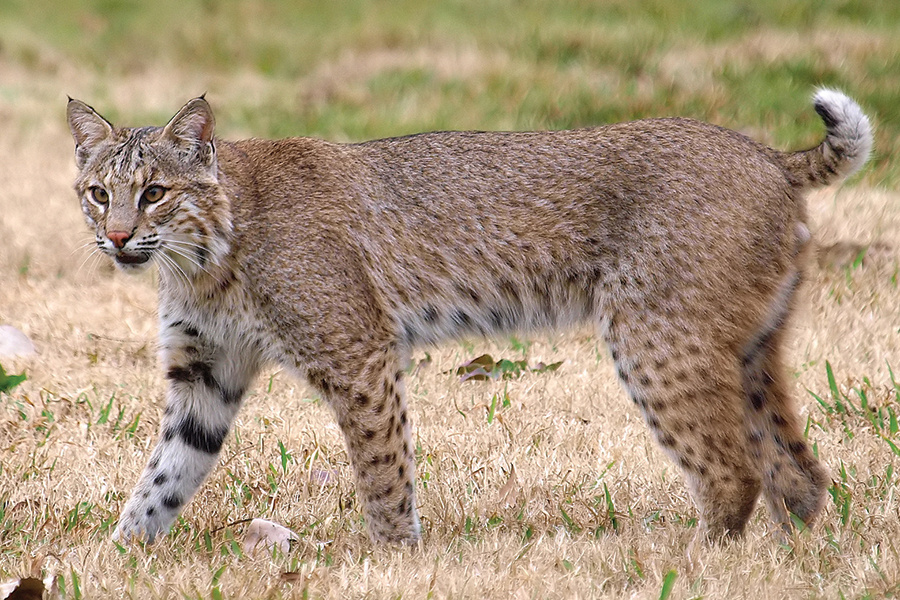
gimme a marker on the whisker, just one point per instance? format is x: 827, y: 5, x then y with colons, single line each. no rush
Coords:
x: 166, y: 263
x: 95, y: 253
x: 172, y: 247
x: 187, y: 257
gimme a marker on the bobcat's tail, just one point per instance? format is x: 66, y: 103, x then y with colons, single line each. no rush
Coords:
x: 844, y: 150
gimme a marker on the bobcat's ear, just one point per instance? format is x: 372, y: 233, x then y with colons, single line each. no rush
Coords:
x: 192, y: 130
x: 87, y: 127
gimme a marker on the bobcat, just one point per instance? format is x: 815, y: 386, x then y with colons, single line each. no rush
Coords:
x: 682, y: 242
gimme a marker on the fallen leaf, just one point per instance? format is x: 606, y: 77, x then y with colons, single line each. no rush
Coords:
x: 14, y: 343
x: 268, y: 534
x: 323, y: 477
x: 478, y: 369
x: 509, y: 492
x: 28, y: 588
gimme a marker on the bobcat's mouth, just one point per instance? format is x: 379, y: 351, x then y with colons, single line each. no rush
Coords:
x: 137, y: 258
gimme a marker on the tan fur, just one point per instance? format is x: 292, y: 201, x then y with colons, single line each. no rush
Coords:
x: 681, y: 241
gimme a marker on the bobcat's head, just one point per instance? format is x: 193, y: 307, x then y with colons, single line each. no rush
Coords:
x: 152, y: 193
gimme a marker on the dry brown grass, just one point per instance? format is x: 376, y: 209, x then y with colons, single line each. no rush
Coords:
x: 570, y: 436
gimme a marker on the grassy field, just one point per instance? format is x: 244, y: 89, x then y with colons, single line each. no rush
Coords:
x: 545, y: 485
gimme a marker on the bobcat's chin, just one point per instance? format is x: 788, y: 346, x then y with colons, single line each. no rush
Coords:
x: 132, y: 262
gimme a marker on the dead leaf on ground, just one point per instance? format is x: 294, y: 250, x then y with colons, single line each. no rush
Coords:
x: 30, y: 588
x: 14, y: 343
x: 268, y: 534
x: 484, y: 367
x: 509, y: 493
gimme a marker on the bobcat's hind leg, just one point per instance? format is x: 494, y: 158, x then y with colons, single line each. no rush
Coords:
x: 688, y: 389
x: 794, y: 480
x: 370, y: 406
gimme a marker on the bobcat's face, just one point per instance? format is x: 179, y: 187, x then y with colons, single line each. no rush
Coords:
x: 150, y: 194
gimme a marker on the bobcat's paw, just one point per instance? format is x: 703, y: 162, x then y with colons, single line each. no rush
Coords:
x: 142, y: 521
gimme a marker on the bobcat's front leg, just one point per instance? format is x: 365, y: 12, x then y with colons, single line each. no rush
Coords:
x: 206, y: 386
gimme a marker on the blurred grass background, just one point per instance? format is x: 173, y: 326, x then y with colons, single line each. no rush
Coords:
x: 355, y: 69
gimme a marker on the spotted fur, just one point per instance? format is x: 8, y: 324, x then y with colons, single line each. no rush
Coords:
x: 682, y: 242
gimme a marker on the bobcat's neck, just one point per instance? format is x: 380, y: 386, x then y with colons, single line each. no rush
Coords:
x: 204, y: 260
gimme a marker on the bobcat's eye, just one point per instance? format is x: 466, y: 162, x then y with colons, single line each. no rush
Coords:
x: 100, y: 195
x: 154, y: 193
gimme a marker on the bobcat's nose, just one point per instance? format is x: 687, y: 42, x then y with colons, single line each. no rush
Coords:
x: 118, y: 238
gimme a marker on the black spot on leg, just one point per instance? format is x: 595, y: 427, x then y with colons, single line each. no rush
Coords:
x: 318, y: 379
x: 172, y: 502
x: 757, y: 399
x: 361, y: 400
x: 666, y: 440
x: 369, y: 434
x: 401, y: 470
x: 160, y: 479
x: 154, y: 462
x: 796, y: 447
x: 151, y: 511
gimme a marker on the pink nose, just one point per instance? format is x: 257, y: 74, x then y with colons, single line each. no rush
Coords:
x: 118, y: 238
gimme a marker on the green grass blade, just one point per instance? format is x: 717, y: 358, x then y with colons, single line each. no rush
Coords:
x: 668, y: 584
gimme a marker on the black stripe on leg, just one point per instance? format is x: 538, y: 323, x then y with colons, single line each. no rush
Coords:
x: 199, y: 371
x: 199, y: 437
x: 194, y: 372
